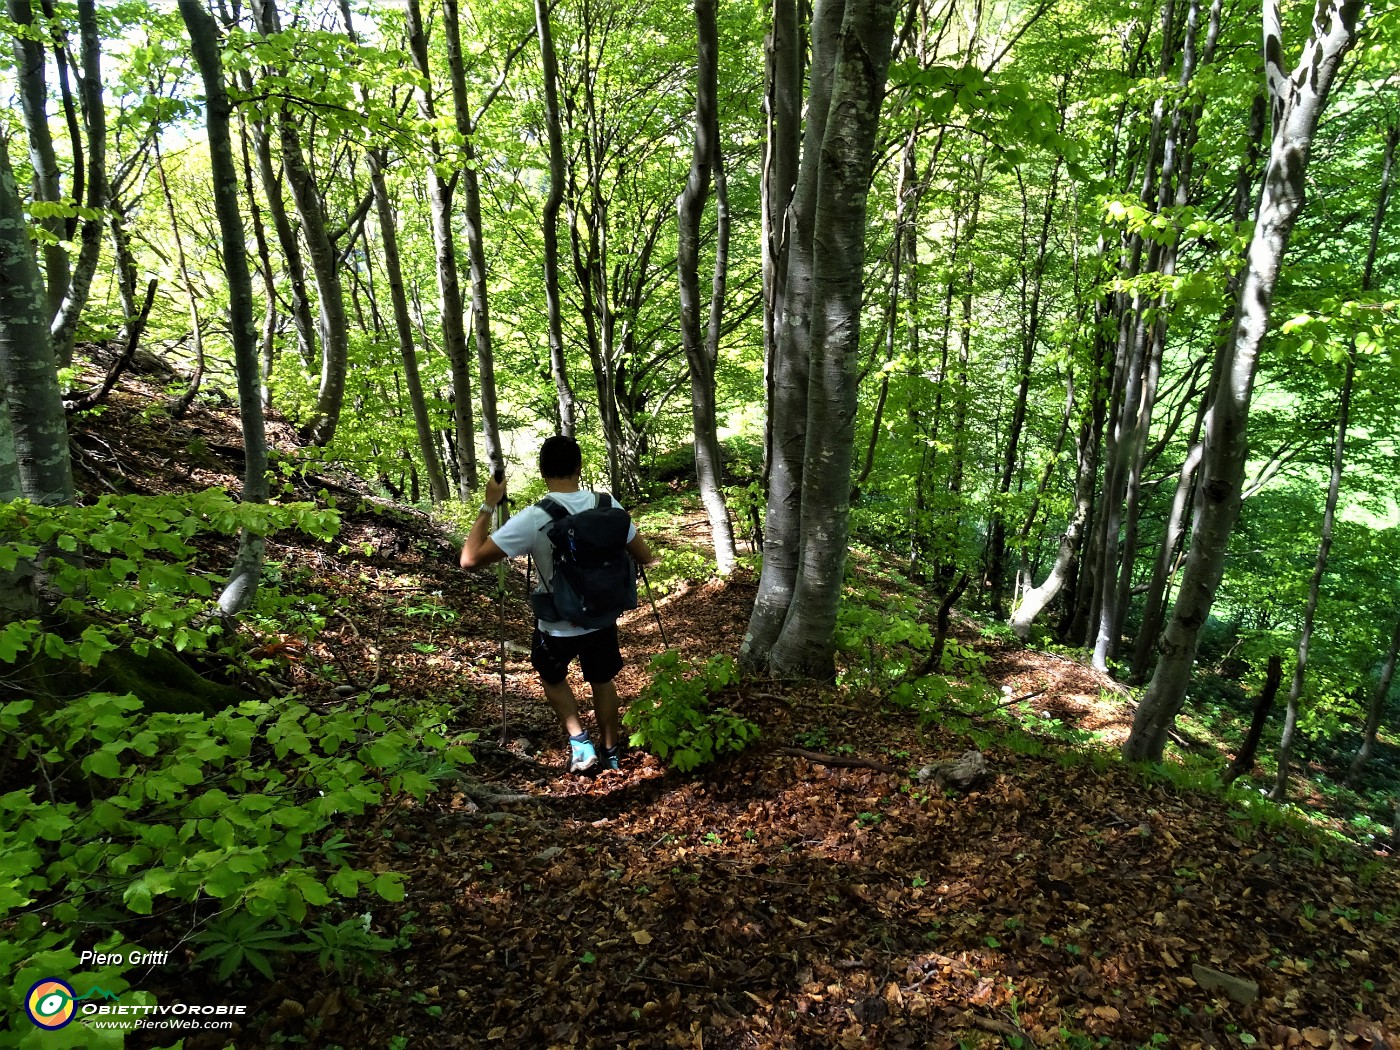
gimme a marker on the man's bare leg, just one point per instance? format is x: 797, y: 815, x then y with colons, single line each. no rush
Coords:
x: 605, y: 706
x: 561, y: 698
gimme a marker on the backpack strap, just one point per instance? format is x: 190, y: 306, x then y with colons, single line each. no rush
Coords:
x: 552, y: 508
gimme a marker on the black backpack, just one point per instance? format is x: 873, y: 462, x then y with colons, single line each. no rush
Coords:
x: 595, y: 579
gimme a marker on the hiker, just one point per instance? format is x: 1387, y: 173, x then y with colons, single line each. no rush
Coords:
x: 557, y: 641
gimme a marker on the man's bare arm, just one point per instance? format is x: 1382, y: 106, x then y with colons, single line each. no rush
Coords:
x: 480, y: 549
x: 641, y: 553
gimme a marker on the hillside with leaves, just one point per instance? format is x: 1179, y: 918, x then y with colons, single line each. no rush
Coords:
x: 808, y: 889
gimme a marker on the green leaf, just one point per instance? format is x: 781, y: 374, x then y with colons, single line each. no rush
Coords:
x: 137, y: 897
x: 345, y: 882
x: 389, y: 886
x: 104, y: 764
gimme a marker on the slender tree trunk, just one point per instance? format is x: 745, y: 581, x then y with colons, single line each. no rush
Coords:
x: 38, y: 427
x: 558, y: 365
x: 377, y: 161
x: 905, y: 239
x: 1035, y: 599
x: 134, y: 316
x: 1243, y: 762
x: 805, y: 648
x: 476, y: 250
x: 308, y: 341
x: 324, y: 259
x: 996, y: 562
x: 454, y: 333
x: 33, y: 94
x: 64, y: 326
x: 1324, y: 549
x: 403, y: 326
x: 269, y: 326
x: 1295, y: 691
x: 1375, y: 710
x: 242, y: 585
x: 701, y: 348
x: 1296, y: 105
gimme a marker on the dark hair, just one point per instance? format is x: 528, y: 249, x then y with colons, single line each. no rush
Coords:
x: 560, y: 457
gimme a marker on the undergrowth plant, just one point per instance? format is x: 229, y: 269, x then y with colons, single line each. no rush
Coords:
x: 220, y: 827
x: 676, y: 717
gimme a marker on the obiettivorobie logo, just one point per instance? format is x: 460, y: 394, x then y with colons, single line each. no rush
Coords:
x: 52, y: 1004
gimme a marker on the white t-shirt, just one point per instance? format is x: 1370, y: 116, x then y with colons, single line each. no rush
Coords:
x: 523, y: 533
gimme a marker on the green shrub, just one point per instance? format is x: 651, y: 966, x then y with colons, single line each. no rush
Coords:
x: 675, y: 716
x: 129, y: 811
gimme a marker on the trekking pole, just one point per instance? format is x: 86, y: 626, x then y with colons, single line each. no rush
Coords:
x: 501, y: 513
x: 642, y: 569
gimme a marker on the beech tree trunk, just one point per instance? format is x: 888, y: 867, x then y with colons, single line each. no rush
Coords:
x: 1295, y: 692
x: 403, y: 327
x: 308, y: 341
x: 791, y: 362
x: 64, y: 325
x: 323, y: 257
x: 242, y: 585
x: 859, y: 56
x: 782, y: 106
x: 1296, y: 104
x: 1243, y: 762
x: 1375, y: 710
x: 1034, y: 277
x: 454, y: 333
x: 702, y: 348
x: 28, y: 370
x: 33, y: 91
x: 476, y: 250
x: 558, y: 365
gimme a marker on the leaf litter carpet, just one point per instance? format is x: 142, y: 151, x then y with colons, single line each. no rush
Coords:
x: 775, y: 901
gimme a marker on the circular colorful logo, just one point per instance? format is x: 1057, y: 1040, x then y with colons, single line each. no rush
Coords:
x: 50, y: 1003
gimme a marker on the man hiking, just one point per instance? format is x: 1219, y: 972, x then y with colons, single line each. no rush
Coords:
x: 558, y: 639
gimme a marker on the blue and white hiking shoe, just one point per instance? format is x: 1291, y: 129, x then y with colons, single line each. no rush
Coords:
x: 583, y: 757
x: 611, y: 757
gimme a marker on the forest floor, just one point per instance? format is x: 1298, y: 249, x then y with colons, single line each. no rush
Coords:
x: 771, y: 899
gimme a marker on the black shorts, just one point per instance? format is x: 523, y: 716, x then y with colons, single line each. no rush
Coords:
x: 598, y: 655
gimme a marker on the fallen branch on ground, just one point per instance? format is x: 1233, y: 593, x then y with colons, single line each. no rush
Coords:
x: 837, y: 761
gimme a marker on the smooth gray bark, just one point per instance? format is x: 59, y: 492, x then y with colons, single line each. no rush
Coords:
x: 242, y: 584
x: 324, y: 259
x: 64, y: 325
x: 476, y: 248
x: 702, y: 349
x: 30, y: 64
x: 806, y: 647
x: 1297, y: 97
x: 28, y: 370
x: 403, y: 327
x: 558, y: 364
x: 781, y: 148
x: 1295, y: 692
x: 787, y: 403
x: 450, y: 310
